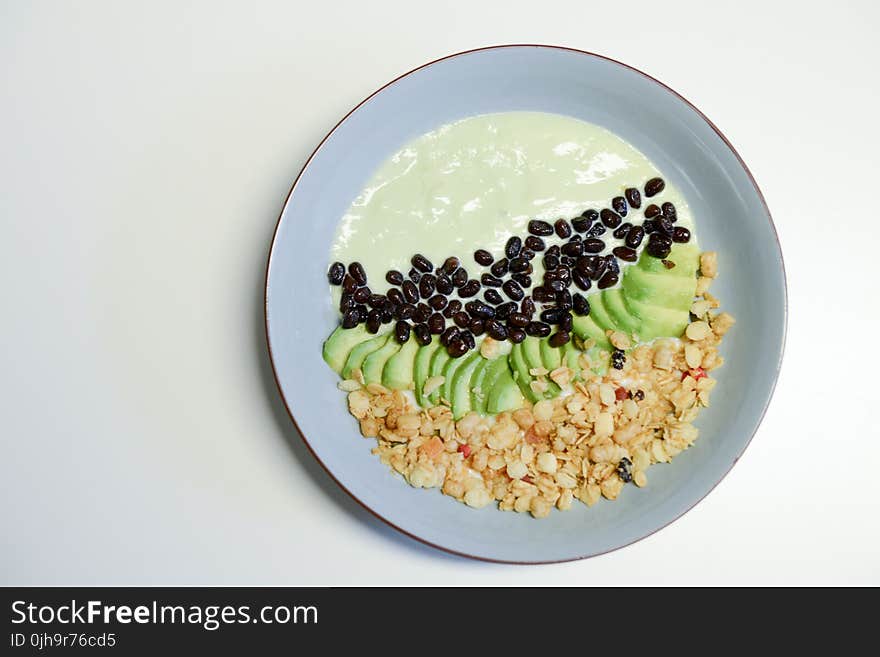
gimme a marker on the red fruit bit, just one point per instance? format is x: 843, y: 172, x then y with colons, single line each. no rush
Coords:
x: 528, y: 479
x: 620, y: 394
x: 465, y: 450
x: 697, y: 373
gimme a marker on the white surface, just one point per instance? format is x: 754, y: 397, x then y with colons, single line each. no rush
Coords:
x: 145, y: 152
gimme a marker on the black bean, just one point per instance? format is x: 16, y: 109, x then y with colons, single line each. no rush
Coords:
x: 554, y: 251
x: 410, y: 292
x: 423, y: 313
x: 663, y: 225
x: 480, y: 309
x: 436, y: 323
x: 559, y: 274
x: 618, y: 204
x: 566, y: 322
x: 681, y: 234
x: 496, y: 329
x: 633, y: 197
x: 621, y: 231
x: 505, y: 310
x: 608, y: 280
x: 540, y: 228
x: 379, y: 301
x: 519, y: 320
x: 581, y: 280
x: 612, y: 263
x: 438, y: 302
x: 580, y: 304
x: 535, y: 243
x: 523, y: 279
x: 550, y: 262
x: 513, y: 290
x: 444, y: 284
x: 552, y: 315
x: 610, y: 218
x: 563, y: 300
x: 336, y: 273
x: 586, y: 265
x: 528, y: 254
x: 346, y: 302
x: 573, y: 249
x: 650, y: 226
x: 452, y: 307
x: 357, y: 272
x: 468, y: 338
x: 493, y: 297
x: 634, y: 237
x: 405, y: 311
x: 516, y: 335
x: 513, y: 247
x: 421, y: 263
x: 457, y: 348
x: 559, y: 338
x: 386, y: 315
x: 374, y: 321
x: 580, y: 224
x: 651, y: 211
x: 490, y: 281
x: 543, y: 295
x: 402, y: 331
x: 600, y: 269
x: 469, y: 289
x: 669, y: 212
x: 394, y: 277
x: 654, y: 186
x: 562, y: 228
x: 349, y: 284
x: 460, y: 277
x: 361, y: 294
x: 477, y: 326
x: 394, y: 295
x: 625, y: 253
x: 450, y: 265
x: 414, y: 275
x: 538, y: 329
x: 423, y: 334
x: 427, y: 285
x: 350, y: 318
x: 461, y: 319
x: 596, y: 230
x: 520, y: 265
x: 449, y: 335
x: 594, y: 245
x: 363, y: 312
x: 483, y: 257
x: 500, y: 268
x: 555, y: 285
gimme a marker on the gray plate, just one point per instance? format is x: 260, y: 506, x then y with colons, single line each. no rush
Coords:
x: 731, y: 217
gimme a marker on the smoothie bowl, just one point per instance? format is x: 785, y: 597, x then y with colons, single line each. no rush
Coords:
x: 520, y: 297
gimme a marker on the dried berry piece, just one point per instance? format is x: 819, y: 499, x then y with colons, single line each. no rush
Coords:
x: 527, y: 306
x: 336, y: 273
x: 633, y: 197
x: 624, y: 470
x: 519, y: 320
x: 573, y: 249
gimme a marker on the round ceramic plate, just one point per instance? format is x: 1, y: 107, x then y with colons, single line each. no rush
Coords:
x: 731, y: 218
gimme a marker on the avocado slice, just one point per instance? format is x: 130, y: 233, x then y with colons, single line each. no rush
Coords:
x: 438, y: 362
x: 612, y: 301
x: 600, y: 314
x: 375, y: 362
x: 531, y: 350
x: 484, y: 380
x: 659, y: 289
x: 340, y: 343
x: 478, y: 397
x: 550, y: 356
x: 521, y: 372
x: 449, y: 372
x: 461, y: 386
x: 685, y: 256
x: 356, y: 358
x: 586, y: 328
x: 422, y: 368
x: 657, y: 321
x: 505, y: 394
x: 570, y: 356
x: 398, y: 372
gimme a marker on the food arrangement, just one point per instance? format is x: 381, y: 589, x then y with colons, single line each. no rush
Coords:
x: 556, y: 364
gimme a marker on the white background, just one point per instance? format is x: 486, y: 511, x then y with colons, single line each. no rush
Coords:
x: 145, y: 152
